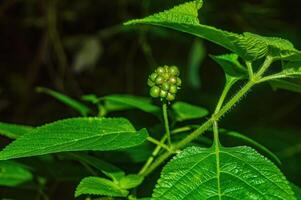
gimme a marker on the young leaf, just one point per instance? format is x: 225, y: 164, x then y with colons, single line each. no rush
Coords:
x: 114, y: 102
x: 184, y: 111
x: 221, y: 173
x: 99, y: 186
x: 130, y: 181
x: 13, y: 174
x: 108, y: 169
x: 231, y: 65
x: 76, y: 134
x: 76, y: 105
x: 14, y: 131
x: 247, y: 45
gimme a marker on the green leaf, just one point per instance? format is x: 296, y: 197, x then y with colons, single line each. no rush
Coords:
x: 130, y: 181
x: 14, y: 131
x: 184, y: 111
x: 231, y: 65
x: 196, y: 57
x: 13, y: 174
x: 251, y: 141
x: 120, y: 102
x: 286, y: 85
x: 76, y: 134
x: 92, y: 98
x: 76, y: 105
x: 221, y: 173
x: 99, y: 186
x: 108, y: 169
x: 297, y: 191
x: 249, y: 46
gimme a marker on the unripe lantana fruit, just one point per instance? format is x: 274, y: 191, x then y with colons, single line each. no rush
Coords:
x: 164, y: 83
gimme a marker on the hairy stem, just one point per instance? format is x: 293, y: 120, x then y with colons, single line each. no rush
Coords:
x: 158, y: 143
x: 166, y: 123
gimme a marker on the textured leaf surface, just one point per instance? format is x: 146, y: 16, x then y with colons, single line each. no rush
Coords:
x: 231, y: 65
x: 120, y: 102
x: 297, y: 191
x: 184, y: 111
x: 229, y: 173
x: 76, y: 105
x: 247, y: 45
x: 13, y: 131
x: 13, y: 174
x: 76, y: 134
x: 99, y: 186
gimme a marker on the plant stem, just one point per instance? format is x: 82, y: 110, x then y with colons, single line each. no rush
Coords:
x: 250, y: 69
x: 158, y: 143
x: 215, y: 117
x: 166, y: 123
x: 229, y: 84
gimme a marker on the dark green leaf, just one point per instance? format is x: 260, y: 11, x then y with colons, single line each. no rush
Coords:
x: 297, y: 191
x: 14, y: 131
x: 184, y: 111
x: 13, y: 174
x: 76, y: 134
x: 76, y: 105
x: 121, y: 102
x: 231, y: 65
x: 286, y: 85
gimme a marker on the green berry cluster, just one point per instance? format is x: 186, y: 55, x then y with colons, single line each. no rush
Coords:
x: 165, y: 83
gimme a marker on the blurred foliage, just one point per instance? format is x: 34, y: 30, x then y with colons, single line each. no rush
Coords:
x: 80, y: 47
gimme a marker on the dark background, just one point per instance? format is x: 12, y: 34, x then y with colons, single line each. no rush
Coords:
x: 80, y: 47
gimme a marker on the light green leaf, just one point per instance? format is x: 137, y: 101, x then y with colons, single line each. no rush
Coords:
x: 221, y: 173
x: 108, y: 169
x: 99, y: 186
x: 13, y: 131
x: 92, y: 98
x: 251, y: 141
x: 119, y: 102
x: 231, y: 65
x: 184, y: 111
x: 13, y: 174
x: 286, y: 85
x: 249, y: 46
x: 76, y: 134
x: 130, y: 181
x: 76, y: 105
x: 196, y: 57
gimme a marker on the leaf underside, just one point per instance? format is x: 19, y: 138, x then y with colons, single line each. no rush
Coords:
x: 13, y: 174
x: 240, y: 173
x: 76, y: 134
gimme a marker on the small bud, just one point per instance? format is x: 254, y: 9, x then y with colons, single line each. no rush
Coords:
x: 165, y: 86
x: 159, y: 80
x: 153, y: 76
x: 163, y: 93
x: 160, y: 70
x: 173, y: 89
x: 170, y: 97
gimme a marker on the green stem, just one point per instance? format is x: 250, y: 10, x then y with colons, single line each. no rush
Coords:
x: 229, y: 84
x: 216, y: 145
x: 250, y: 69
x: 215, y: 117
x: 166, y: 123
x: 158, y: 143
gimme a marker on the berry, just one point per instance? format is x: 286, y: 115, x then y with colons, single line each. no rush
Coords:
x: 153, y: 76
x: 170, y: 97
x: 163, y: 94
x: 165, y: 83
x: 173, y: 89
x: 165, y: 86
x: 155, y: 91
